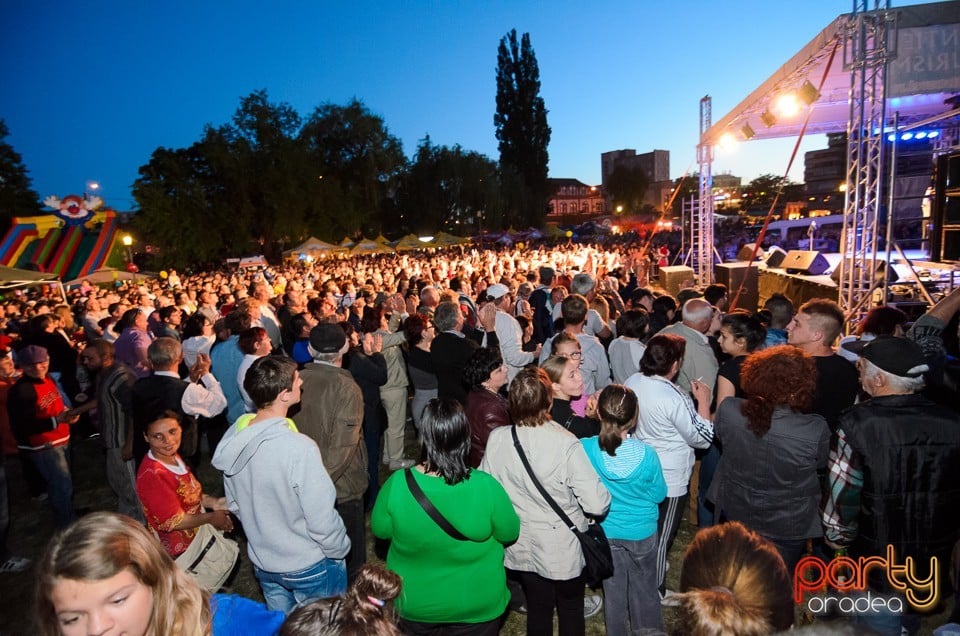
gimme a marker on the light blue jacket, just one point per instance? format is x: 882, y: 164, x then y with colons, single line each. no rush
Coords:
x: 635, y: 481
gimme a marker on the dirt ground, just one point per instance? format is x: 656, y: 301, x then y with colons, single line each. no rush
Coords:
x: 32, y: 526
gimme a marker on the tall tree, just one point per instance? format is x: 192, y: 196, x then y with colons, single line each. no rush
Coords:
x: 276, y: 179
x: 248, y: 184
x: 689, y: 186
x: 448, y: 188
x: 759, y: 193
x: 522, y: 131
x: 627, y: 185
x: 360, y: 161
x: 17, y: 197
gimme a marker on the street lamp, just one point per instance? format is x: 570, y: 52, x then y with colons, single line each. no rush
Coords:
x: 127, y: 241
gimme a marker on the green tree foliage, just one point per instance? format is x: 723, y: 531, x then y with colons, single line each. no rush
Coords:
x: 689, y: 187
x: 449, y: 188
x: 360, y: 162
x: 627, y: 186
x: 267, y: 180
x: 17, y: 197
x: 759, y: 193
x: 522, y: 132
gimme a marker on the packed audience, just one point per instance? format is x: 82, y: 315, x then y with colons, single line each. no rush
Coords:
x: 553, y: 391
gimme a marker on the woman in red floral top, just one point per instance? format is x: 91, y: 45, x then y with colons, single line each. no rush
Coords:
x: 172, y: 499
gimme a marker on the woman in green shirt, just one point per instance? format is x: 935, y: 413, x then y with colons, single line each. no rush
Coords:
x: 447, y: 582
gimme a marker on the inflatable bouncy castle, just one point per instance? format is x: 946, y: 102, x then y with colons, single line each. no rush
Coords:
x: 71, y: 242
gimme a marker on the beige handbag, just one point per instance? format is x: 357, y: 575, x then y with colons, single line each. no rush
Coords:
x: 210, y: 558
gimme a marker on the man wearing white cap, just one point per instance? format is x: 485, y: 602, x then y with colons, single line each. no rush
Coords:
x: 509, y: 333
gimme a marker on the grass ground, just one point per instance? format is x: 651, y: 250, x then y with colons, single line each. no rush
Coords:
x: 32, y: 526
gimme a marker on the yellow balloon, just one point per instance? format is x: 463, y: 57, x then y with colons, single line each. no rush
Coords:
x: 569, y: 234
x: 163, y: 274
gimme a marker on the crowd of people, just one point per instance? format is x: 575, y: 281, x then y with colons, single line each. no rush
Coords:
x: 537, y: 380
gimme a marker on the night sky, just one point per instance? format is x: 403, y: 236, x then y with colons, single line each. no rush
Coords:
x: 90, y: 89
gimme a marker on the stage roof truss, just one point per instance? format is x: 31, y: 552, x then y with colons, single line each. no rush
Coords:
x: 869, y: 44
x: 898, y: 63
x: 701, y: 222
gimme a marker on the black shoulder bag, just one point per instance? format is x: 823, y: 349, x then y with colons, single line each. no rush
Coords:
x: 593, y: 541
x: 430, y: 509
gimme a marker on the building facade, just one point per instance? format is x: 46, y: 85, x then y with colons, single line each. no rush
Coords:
x: 573, y: 201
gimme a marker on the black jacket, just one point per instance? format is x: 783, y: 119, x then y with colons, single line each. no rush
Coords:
x: 450, y: 353
x: 910, y: 451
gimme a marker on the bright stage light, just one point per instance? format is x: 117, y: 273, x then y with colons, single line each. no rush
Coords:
x: 933, y: 133
x: 787, y: 105
x: 906, y: 136
x: 891, y: 137
x: 921, y: 135
x: 728, y: 142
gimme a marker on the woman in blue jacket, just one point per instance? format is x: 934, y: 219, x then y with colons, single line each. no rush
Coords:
x: 630, y: 469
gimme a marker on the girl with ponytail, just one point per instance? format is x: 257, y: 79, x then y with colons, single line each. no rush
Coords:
x: 631, y: 471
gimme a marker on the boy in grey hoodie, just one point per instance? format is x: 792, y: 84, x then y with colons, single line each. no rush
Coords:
x: 276, y: 484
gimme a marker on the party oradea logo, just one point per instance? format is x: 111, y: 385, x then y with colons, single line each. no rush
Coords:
x: 841, y: 585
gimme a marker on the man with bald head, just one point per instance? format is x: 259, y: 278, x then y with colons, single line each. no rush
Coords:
x: 429, y: 298
x: 699, y: 361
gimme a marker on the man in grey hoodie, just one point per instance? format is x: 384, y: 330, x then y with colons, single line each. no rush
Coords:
x: 277, y: 485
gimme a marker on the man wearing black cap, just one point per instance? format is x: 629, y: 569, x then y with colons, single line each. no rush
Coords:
x: 894, y: 477
x: 41, y: 424
x: 331, y: 414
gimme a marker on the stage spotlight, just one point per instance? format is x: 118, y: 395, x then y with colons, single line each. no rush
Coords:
x: 768, y: 119
x: 891, y: 137
x: 921, y: 135
x: 906, y: 136
x: 786, y: 105
x: 747, y: 132
x: 933, y: 133
x: 808, y: 93
x: 727, y: 142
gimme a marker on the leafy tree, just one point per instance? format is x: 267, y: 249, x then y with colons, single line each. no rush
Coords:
x: 689, y: 186
x: 274, y: 172
x: 17, y: 197
x: 522, y: 131
x: 352, y: 148
x: 760, y: 192
x: 627, y: 185
x: 448, y: 188
x: 176, y: 196
x: 246, y: 184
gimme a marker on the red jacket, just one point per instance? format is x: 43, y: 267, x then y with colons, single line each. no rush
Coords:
x: 33, y: 406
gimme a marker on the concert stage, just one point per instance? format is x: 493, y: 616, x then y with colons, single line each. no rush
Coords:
x: 800, y: 288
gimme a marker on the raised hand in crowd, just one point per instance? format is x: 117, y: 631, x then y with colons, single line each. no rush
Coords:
x: 200, y: 368
x: 372, y: 343
x: 488, y: 316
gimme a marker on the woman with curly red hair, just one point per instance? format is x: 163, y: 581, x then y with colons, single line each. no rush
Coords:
x: 772, y: 447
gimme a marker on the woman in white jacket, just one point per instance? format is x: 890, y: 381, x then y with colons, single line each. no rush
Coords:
x: 546, y: 557
x: 670, y: 423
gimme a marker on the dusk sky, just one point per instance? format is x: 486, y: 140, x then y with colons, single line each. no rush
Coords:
x: 90, y: 89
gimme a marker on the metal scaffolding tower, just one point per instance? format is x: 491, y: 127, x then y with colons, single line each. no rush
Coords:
x: 870, y: 42
x: 701, y: 221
